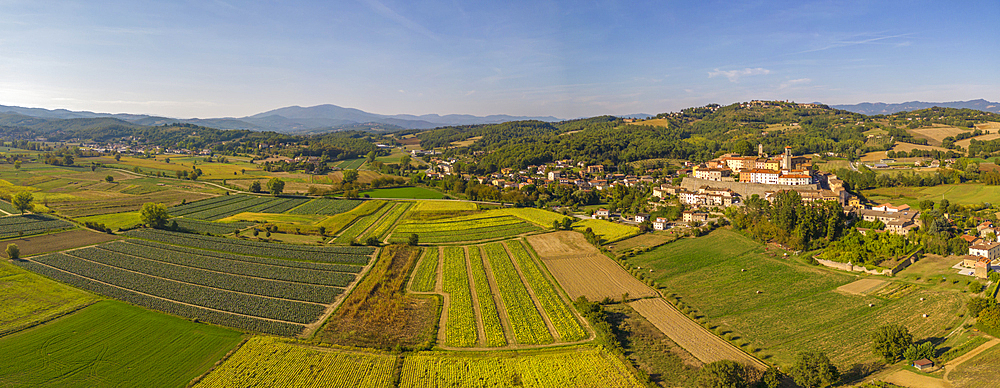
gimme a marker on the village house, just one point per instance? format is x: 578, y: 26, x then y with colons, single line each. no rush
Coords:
x: 602, y: 214
x: 689, y: 216
x: 641, y: 217
x: 713, y: 174
x: 983, y: 268
x: 660, y: 223
x: 989, y: 250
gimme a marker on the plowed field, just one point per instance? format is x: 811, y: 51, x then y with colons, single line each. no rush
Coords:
x: 582, y: 270
x: 689, y: 335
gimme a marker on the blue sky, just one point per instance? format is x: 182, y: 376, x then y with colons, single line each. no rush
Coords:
x: 561, y: 58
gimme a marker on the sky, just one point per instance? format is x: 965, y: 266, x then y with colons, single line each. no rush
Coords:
x: 567, y: 59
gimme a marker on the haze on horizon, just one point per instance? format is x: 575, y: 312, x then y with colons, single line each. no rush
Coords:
x: 531, y: 58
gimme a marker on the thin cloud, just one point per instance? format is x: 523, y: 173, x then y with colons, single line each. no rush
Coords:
x: 794, y: 82
x: 734, y: 75
x: 383, y: 10
x: 847, y: 43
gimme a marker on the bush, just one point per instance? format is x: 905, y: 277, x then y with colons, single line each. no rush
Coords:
x: 13, y: 252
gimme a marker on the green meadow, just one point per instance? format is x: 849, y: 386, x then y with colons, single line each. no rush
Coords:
x: 113, y: 344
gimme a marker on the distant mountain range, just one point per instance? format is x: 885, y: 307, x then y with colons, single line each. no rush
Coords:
x: 881, y: 108
x: 293, y: 119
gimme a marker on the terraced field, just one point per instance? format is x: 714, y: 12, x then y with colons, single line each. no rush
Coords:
x: 245, y: 291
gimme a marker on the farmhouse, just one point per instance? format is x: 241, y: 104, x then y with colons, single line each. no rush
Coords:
x: 660, y: 223
x: 989, y: 250
x: 641, y: 217
x: 602, y: 213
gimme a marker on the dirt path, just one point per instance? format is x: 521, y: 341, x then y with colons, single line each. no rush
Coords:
x: 906, y: 378
x: 951, y: 365
x: 534, y: 298
x: 480, y: 327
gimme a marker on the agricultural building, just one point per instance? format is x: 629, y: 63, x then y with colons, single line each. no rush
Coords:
x: 989, y: 250
x: 982, y: 268
x: 923, y: 363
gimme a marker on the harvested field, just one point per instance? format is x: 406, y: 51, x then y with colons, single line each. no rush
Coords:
x: 59, y: 241
x: 697, y: 340
x: 582, y: 270
x: 642, y: 241
x: 937, y: 132
x: 965, y: 143
x: 862, y: 287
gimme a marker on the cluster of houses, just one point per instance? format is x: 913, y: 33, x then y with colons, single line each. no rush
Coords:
x: 897, y: 219
x: 787, y: 170
x: 588, y: 177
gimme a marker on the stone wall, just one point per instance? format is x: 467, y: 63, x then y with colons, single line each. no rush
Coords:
x: 903, y: 263
x: 743, y: 189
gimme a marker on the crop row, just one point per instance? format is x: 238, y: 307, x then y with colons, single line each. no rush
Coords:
x: 562, y: 318
x: 289, y: 267
x: 346, y: 255
x: 425, y: 276
x: 380, y: 230
x: 574, y: 367
x: 197, y: 206
x: 360, y: 225
x: 8, y: 208
x: 270, y: 362
x: 212, y: 316
x: 525, y: 320
x: 325, y: 206
x: 285, y: 274
x: 460, y: 236
x: 453, y: 224
x: 253, y: 305
x: 487, y: 306
x: 30, y: 224
x: 209, y: 227
x: 239, y: 283
x: 460, y: 329
x: 278, y: 205
x: 230, y: 208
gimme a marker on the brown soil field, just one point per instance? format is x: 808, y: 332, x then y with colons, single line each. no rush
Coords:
x: 973, y: 369
x: 582, y: 270
x: 694, y: 338
x: 861, y: 287
x: 935, y: 133
x: 59, y: 241
x: 906, y: 378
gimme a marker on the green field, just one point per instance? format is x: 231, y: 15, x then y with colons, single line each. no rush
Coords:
x: 29, y: 299
x: 115, y: 220
x: 113, y: 344
x: 965, y: 193
x: 490, y: 225
x: 404, y: 193
x: 797, y: 307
